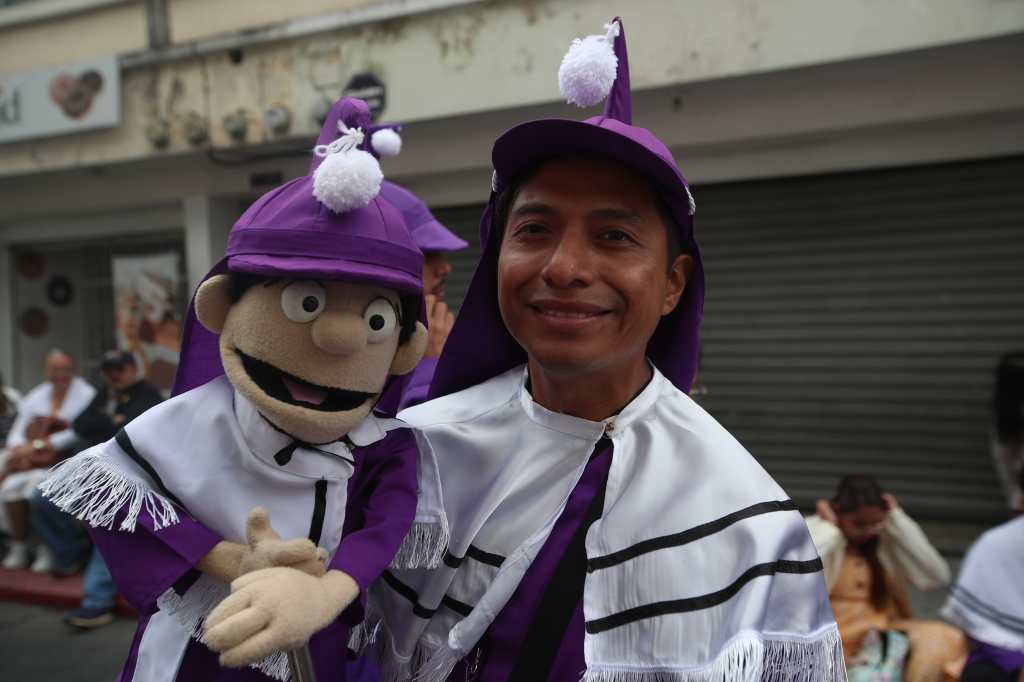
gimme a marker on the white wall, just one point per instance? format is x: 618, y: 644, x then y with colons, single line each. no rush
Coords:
x: 493, y: 56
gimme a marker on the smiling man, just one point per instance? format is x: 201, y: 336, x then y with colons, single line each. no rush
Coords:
x: 602, y: 526
x: 269, y: 470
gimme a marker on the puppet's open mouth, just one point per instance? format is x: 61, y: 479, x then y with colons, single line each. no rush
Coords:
x: 290, y: 389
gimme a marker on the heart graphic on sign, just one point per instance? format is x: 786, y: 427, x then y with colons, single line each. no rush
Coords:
x: 74, y: 95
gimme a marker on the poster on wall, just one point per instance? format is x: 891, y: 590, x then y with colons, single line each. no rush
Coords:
x: 146, y: 313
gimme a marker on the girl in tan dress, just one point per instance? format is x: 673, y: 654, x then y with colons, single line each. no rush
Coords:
x: 872, y: 551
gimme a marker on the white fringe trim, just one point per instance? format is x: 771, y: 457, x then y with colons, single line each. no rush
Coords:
x: 91, y: 489
x: 192, y: 608
x: 423, y: 547
x: 745, y: 659
x: 750, y: 660
x: 372, y: 638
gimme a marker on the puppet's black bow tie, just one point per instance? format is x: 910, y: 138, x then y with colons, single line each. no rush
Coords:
x: 284, y: 455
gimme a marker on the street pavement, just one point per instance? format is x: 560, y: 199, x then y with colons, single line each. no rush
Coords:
x: 36, y: 645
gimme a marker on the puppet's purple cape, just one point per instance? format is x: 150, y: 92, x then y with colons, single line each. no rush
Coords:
x: 428, y: 233
x: 289, y: 233
x: 480, y: 346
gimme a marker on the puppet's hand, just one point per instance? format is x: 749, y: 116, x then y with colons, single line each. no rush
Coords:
x: 266, y: 549
x: 275, y: 609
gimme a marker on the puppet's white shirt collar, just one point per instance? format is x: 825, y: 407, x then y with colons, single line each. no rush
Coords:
x: 265, y: 441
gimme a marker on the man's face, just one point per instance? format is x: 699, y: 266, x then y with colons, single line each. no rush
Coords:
x: 436, y: 269
x: 312, y: 356
x: 583, y: 276
x: 59, y: 371
x: 120, y: 377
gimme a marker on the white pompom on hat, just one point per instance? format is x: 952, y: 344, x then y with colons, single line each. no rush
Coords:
x: 386, y: 142
x: 348, y: 178
x: 589, y: 67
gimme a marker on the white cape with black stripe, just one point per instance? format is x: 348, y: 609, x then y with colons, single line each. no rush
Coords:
x: 987, y: 601
x: 701, y: 568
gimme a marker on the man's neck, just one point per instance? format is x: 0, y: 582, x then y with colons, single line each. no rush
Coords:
x: 590, y: 395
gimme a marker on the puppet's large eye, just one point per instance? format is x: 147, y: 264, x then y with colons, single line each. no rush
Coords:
x: 381, y: 320
x: 303, y: 301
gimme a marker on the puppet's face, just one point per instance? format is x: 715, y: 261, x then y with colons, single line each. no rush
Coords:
x: 313, y: 356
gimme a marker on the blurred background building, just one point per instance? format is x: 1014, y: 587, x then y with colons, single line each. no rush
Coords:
x: 857, y: 164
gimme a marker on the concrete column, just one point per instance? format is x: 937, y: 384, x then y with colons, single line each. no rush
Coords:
x: 207, y: 223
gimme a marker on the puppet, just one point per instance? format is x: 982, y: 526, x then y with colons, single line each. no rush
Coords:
x: 270, y: 462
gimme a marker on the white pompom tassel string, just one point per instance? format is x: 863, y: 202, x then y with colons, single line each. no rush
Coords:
x: 348, y: 178
x: 350, y: 139
x: 588, y: 69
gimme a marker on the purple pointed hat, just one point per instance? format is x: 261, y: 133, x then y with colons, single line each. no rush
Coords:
x: 329, y: 224
x: 592, y: 66
x: 428, y: 233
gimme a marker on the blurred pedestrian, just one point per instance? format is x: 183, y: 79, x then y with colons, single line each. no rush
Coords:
x: 435, y: 241
x: 872, y: 550
x: 1008, y: 427
x: 988, y: 603
x: 9, y: 399
x: 123, y: 397
x: 40, y: 437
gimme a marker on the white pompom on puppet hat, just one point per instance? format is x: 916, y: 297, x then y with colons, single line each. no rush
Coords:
x: 348, y: 177
x: 588, y: 70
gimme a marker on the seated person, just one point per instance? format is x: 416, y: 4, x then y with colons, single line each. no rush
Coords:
x: 988, y: 603
x: 871, y: 550
x: 124, y: 396
x: 9, y: 399
x: 40, y: 437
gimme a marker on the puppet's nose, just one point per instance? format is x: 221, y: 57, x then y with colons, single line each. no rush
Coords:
x: 339, y: 333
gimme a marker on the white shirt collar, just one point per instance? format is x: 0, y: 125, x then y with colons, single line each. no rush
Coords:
x: 583, y: 428
x: 265, y: 441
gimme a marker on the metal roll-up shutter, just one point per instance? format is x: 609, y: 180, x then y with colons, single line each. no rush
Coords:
x: 465, y: 222
x: 853, y: 323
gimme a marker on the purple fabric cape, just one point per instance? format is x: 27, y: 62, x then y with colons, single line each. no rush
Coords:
x: 480, y: 347
x: 289, y: 233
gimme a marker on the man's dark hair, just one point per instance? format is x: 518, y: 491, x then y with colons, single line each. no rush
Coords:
x: 503, y: 204
x: 1008, y: 402
x: 409, y: 305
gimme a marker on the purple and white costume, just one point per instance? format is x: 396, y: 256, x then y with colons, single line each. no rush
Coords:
x: 185, y: 475
x: 648, y: 547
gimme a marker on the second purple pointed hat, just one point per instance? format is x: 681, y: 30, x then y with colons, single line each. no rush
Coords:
x: 427, y: 231
x: 328, y: 224
x: 595, y: 68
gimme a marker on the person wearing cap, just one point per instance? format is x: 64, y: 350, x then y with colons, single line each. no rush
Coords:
x: 123, y: 397
x: 602, y: 526
x: 435, y: 241
x: 268, y: 472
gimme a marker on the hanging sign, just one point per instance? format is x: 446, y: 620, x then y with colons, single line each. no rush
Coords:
x: 66, y: 99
